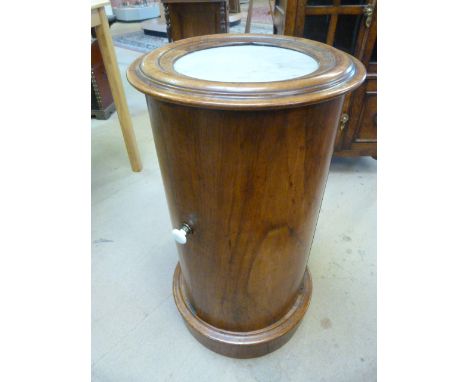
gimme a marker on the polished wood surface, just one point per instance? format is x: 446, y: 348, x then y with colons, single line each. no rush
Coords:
x: 360, y: 134
x: 250, y: 185
x: 245, y: 344
x: 247, y: 174
x: 332, y: 22
x: 189, y: 18
x: 154, y: 74
x: 113, y: 74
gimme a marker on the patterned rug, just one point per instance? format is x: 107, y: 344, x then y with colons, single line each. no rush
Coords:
x: 261, y: 23
x: 140, y: 42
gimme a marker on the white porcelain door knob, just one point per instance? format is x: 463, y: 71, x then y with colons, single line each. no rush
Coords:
x: 180, y: 235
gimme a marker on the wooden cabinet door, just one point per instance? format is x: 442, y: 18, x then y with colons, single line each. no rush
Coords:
x: 351, y: 26
x: 335, y: 22
x: 359, y: 135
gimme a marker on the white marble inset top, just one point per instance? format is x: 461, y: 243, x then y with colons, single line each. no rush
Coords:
x: 246, y: 63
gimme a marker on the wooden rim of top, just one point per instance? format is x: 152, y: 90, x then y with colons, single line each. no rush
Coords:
x: 337, y: 74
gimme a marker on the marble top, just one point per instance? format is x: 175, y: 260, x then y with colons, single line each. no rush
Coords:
x: 245, y: 63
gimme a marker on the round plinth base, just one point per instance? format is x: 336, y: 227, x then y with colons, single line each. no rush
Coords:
x: 242, y: 344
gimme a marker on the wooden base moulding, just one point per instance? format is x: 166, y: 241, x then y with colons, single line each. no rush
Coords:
x: 242, y: 344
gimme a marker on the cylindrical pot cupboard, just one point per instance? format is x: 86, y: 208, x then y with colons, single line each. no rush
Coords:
x: 244, y: 127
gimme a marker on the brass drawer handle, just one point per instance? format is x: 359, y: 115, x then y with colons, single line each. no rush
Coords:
x: 368, y: 12
x: 343, y: 121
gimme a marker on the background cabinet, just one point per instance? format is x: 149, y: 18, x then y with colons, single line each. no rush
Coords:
x: 234, y: 6
x: 349, y: 25
x: 189, y: 18
x: 102, y: 103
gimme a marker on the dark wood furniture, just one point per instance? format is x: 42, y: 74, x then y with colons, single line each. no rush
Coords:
x: 102, y: 104
x: 349, y: 25
x: 188, y: 18
x: 234, y: 6
x: 244, y: 166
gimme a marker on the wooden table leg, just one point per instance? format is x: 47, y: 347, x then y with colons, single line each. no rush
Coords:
x: 249, y: 17
x: 272, y: 12
x: 115, y: 82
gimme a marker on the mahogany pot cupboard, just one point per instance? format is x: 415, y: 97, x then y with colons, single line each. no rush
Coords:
x: 188, y: 18
x: 244, y: 155
x: 351, y: 26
